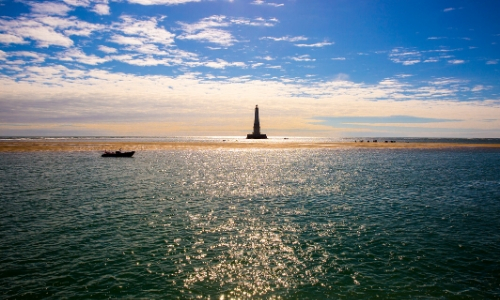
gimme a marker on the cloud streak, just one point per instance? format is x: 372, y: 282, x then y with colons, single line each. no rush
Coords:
x: 262, y: 2
x: 161, y: 2
x: 292, y: 39
x: 315, y: 45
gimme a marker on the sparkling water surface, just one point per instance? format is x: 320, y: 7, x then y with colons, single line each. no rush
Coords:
x: 252, y: 223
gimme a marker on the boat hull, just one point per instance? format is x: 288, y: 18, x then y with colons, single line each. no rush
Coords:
x: 118, y: 154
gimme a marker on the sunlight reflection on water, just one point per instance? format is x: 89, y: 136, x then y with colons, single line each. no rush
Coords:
x: 252, y: 223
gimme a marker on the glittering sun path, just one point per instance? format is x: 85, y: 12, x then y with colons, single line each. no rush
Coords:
x: 250, y: 223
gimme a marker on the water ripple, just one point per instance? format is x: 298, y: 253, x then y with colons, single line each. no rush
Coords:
x: 290, y: 224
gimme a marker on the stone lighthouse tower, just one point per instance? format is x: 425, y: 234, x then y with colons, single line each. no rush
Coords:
x: 256, y: 127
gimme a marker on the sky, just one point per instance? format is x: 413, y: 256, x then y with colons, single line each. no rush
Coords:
x: 331, y: 68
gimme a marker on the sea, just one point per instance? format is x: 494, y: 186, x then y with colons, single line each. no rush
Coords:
x: 252, y: 223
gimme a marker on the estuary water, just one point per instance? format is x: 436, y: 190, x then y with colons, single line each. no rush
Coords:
x: 251, y: 223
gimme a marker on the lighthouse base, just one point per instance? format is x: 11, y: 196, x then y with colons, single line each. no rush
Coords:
x: 256, y: 136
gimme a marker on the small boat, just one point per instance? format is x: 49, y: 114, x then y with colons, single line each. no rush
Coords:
x: 118, y: 153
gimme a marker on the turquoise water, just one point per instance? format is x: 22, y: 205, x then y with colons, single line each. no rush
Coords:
x: 253, y: 223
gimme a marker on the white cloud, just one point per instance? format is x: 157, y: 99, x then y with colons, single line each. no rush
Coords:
x: 478, y: 88
x: 449, y: 9
x: 212, y: 35
x: 262, y: 2
x: 305, y: 57
x: 46, y: 30
x: 456, y: 61
x: 70, y: 26
x: 338, y: 58
x: 17, y: 58
x: 49, y: 8
x: 316, y: 45
x: 26, y: 96
x: 11, y: 39
x: 285, y: 38
x: 492, y: 62
x: 448, y: 84
x: 101, y: 9
x: 142, y: 61
x: 217, y: 64
x: 147, y: 31
x: 125, y: 40
x: 390, y: 82
x: 123, y: 57
x: 181, y: 54
x: 205, y: 23
x: 141, y: 54
x: 161, y: 2
x: 175, y: 56
x: 341, y: 77
x: 210, y: 29
x: 107, y: 49
x: 34, y: 57
x: 411, y: 62
x: 77, y: 55
x: 406, y: 57
x: 444, y: 50
x: 142, y: 36
x: 446, y: 81
x: 267, y: 57
x: 150, y: 49
x: 83, y: 3
x: 255, y: 22
x: 222, y: 64
x: 45, y: 36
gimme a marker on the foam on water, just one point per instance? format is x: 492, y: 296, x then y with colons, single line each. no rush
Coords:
x: 340, y: 223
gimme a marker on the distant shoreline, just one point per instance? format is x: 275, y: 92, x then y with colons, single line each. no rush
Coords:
x: 67, y: 145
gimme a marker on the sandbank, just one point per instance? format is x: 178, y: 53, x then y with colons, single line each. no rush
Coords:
x: 67, y: 145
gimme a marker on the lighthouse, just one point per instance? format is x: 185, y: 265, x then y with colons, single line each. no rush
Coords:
x: 256, y: 127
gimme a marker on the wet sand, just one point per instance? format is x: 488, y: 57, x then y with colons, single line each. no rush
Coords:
x: 44, y: 145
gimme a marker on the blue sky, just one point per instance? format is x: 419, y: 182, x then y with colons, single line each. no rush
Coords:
x: 185, y: 67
